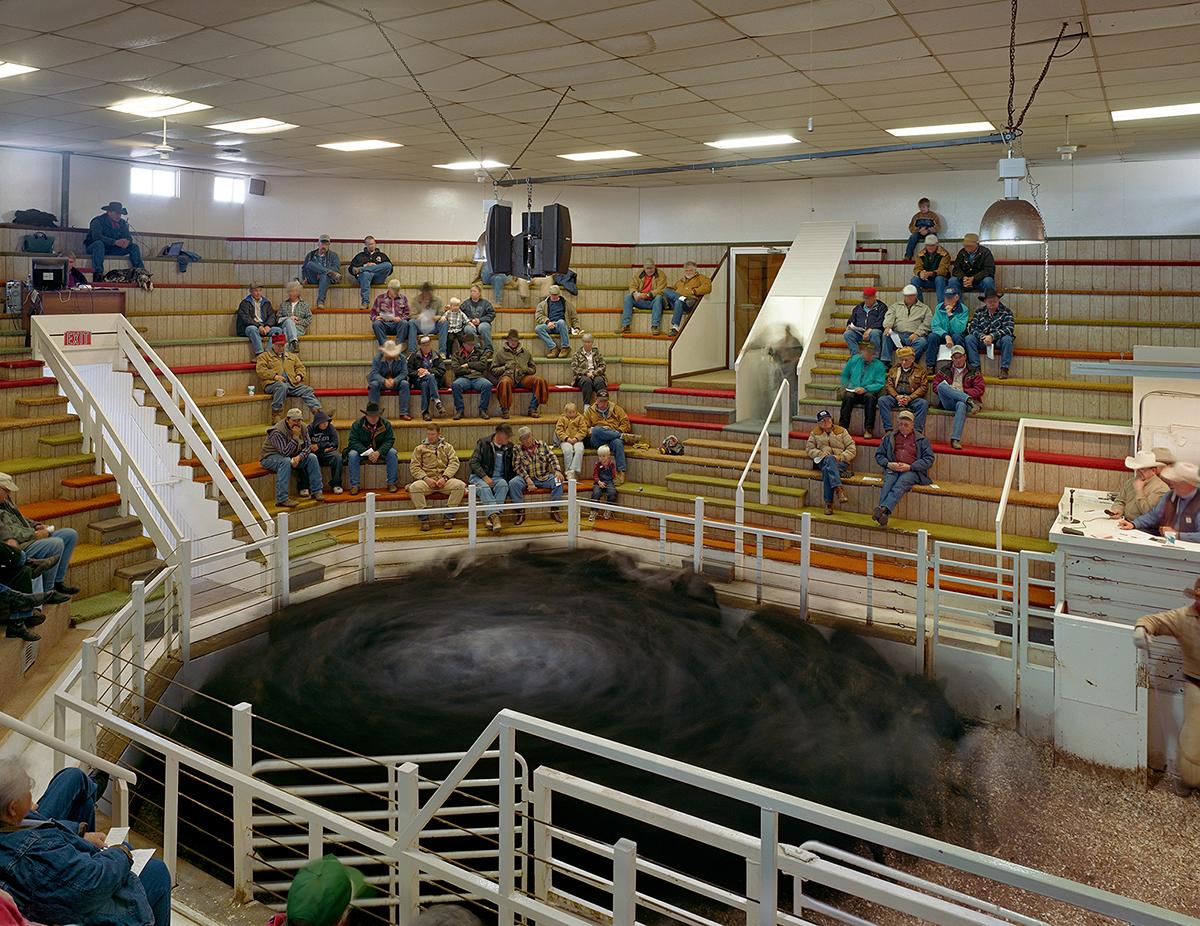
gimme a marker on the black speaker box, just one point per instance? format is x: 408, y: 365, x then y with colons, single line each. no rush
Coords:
x: 556, y: 240
x: 499, y: 239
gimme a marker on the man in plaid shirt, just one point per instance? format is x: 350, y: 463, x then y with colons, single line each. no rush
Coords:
x: 991, y: 326
x: 535, y: 465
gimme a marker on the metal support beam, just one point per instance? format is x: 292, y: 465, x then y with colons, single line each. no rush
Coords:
x: 1129, y: 368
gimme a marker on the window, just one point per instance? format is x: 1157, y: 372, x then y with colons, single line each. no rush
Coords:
x: 229, y: 189
x: 149, y: 181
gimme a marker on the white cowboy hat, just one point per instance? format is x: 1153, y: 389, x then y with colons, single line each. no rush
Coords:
x: 1143, y: 459
x: 1182, y: 472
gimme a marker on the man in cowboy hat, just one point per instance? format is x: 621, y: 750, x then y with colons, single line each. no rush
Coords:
x: 286, y: 448
x: 389, y: 371
x: 372, y: 440
x: 1177, y: 514
x: 1142, y: 491
x: 513, y: 367
x: 992, y: 327
x: 108, y: 233
x: 283, y: 375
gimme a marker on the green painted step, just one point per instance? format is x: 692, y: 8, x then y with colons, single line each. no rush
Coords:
x: 985, y: 414
x: 104, y: 604
x: 21, y: 465
x: 60, y: 440
x: 724, y: 483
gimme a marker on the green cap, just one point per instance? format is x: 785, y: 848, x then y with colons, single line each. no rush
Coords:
x: 321, y: 892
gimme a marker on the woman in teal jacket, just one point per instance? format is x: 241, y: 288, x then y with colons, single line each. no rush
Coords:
x: 862, y: 380
x: 949, y: 325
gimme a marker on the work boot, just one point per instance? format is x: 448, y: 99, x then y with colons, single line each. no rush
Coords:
x: 448, y: 522
x: 17, y: 630
x: 426, y: 416
x: 556, y: 515
x: 425, y: 525
x: 392, y: 488
x: 592, y: 516
x: 286, y: 503
x: 458, y: 415
x: 841, y: 496
x: 493, y: 523
x: 20, y: 601
x: 624, y: 329
x: 534, y: 413
x: 1004, y: 372
x: 57, y: 598
x: 620, y: 480
x: 956, y: 444
x: 829, y: 507
x: 551, y: 352
x: 36, y: 618
x: 504, y: 413
x: 519, y: 517
x: 674, y: 331
x: 483, y: 413
x: 41, y: 564
x: 655, y: 330
x: 441, y: 409
x: 318, y: 496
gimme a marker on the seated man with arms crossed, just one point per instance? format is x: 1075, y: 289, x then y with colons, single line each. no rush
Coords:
x: 991, y: 326
x: 480, y: 316
x: 832, y: 449
x: 686, y: 293
x: 434, y: 466
x: 555, y: 313
x: 492, y: 472
x: 109, y: 234
x: 866, y: 321
x: 373, y: 441
x: 294, y: 315
x: 931, y: 268
x: 256, y: 319
x: 906, y: 387
x: 389, y: 373
x: 369, y: 266
x: 513, y: 367
x: 471, y: 369
x: 645, y: 292
x: 426, y: 369
x: 322, y: 267
x: 389, y: 316
x: 906, y: 458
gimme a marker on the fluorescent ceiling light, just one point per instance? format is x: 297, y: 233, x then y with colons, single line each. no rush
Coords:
x: 254, y: 126
x: 754, y: 141
x: 471, y: 165
x: 12, y: 70
x: 599, y: 155
x: 366, y: 144
x: 157, y: 106
x: 958, y: 128
x: 1156, y: 112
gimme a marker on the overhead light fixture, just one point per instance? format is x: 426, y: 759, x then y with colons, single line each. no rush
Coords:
x: 754, y: 141
x: 1156, y: 112
x: 957, y: 128
x: 254, y: 126
x: 157, y: 106
x: 12, y: 70
x: 1012, y: 220
x: 471, y: 165
x: 366, y: 144
x: 599, y: 155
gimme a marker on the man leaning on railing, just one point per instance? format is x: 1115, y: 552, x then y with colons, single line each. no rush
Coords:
x: 58, y: 869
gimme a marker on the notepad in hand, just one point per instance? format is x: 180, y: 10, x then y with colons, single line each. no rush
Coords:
x: 116, y: 836
x: 943, y: 352
x: 140, y: 858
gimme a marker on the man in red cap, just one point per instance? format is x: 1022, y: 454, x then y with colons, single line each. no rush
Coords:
x: 866, y: 321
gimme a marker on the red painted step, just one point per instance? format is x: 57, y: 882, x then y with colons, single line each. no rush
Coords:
x: 676, y: 423
x: 27, y: 383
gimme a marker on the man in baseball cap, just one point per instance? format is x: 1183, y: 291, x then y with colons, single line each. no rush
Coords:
x: 931, y: 266
x: 322, y: 891
x: 907, y: 319
x: 322, y: 267
x: 866, y: 321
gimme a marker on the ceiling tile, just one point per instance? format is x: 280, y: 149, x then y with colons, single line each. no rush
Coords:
x: 421, y: 57
x: 819, y: 14
x: 248, y: 65
x: 48, y: 51
x: 462, y: 20
x: 290, y: 25
x: 555, y: 56
x: 65, y: 13
x: 202, y: 45
x: 641, y: 17
x: 142, y: 27
x: 350, y: 44
x: 47, y: 83
x: 217, y: 12
x: 118, y: 66
x: 314, y: 78
x: 685, y: 37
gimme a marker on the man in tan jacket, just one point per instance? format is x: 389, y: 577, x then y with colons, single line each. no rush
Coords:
x: 1184, y: 625
x: 906, y: 386
x: 683, y: 296
x: 645, y: 292
x: 832, y: 449
x: 608, y: 424
x: 433, y: 466
x: 1144, y: 489
x: 282, y: 374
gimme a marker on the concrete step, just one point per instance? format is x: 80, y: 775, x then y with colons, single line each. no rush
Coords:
x: 143, y: 571
x: 114, y: 529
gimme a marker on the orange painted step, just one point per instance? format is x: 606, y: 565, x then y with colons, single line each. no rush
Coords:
x: 56, y: 508
x: 86, y: 482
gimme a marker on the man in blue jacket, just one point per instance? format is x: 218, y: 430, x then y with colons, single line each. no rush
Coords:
x: 906, y: 457
x: 58, y: 870
x: 109, y: 233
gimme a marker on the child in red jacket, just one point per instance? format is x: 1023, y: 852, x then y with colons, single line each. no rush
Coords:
x: 604, y: 481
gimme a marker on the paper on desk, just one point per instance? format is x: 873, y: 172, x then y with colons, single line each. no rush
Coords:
x: 991, y: 351
x: 943, y: 352
x: 140, y: 858
x: 896, y: 340
x: 116, y: 836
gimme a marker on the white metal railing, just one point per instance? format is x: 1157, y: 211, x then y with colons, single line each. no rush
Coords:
x: 1016, y: 460
x: 762, y: 446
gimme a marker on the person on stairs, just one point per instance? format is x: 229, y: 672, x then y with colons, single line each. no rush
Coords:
x: 924, y: 222
x: 369, y: 267
x: 588, y: 368
x: 536, y: 466
x: 608, y: 425
x: 1184, y: 625
x: 974, y: 267
x: 513, y: 368
x: 256, y: 319
x: 646, y: 293
x: 555, y: 313
x: 931, y: 268
x: 832, y: 450
x: 283, y: 376
x: 38, y: 541
x: 389, y: 373
x: 372, y: 441
x: 862, y: 381
x: 991, y: 327
x: 285, y: 448
x: 426, y: 369
x: 1141, y: 491
x: 471, y: 368
x: 20, y: 606
x: 491, y: 468
x: 571, y: 430
x: 866, y: 321
x: 294, y: 315
x: 959, y: 389
x: 685, y: 295
x: 321, y: 267
x: 390, y: 316
x: 907, y: 320
x: 434, y: 468
x: 481, y: 314
x: 605, y: 476
x: 906, y: 458
x: 906, y: 386
x: 1177, y: 514
x: 949, y: 326
x: 325, y: 446
x: 108, y: 234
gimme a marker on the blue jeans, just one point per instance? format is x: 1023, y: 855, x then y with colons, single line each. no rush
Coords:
x: 254, y: 336
x: 396, y: 330
x: 316, y: 273
x: 601, y: 435
x: 280, y: 392
x: 390, y: 459
x: 483, y: 331
x: 519, y: 485
x: 679, y: 304
x: 443, y: 336
x: 560, y: 326
x: 895, y: 485
x: 914, y: 240
x: 293, y: 334
x: 369, y: 274
x: 427, y: 386
x: 281, y: 466
x: 62, y: 542
x: 935, y: 344
x: 156, y: 882
x: 608, y: 491
x: 854, y: 338
x: 888, y: 406
x: 492, y: 497
x: 332, y: 459
x: 497, y: 281
x: 831, y: 474
x: 917, y: 345
x: 980, y: 284
x: 480, y: 383
x: 655, y: 306
x: 951, y: 399
x: 937, y: 284
x: 974, y: 345
x: 375, y: 389
x: 98, y: 250
x: 69, y: 798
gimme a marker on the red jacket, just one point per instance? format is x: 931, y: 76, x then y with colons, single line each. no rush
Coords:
x: 973, y: 384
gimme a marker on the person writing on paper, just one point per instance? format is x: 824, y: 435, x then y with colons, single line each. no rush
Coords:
x: 832, y: 449
x: 1184, y: 625
x: 906, y: 324
x: 58, y: 870
x: 1177, y: 514
x: 948, y: 328
x: 991, y: 330
x: 1142, y: 491
x: 958, y: 389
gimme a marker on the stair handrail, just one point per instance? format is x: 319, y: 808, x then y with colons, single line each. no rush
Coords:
x: 761, y: 449
x: 246, y: 504
x: 136, y: 489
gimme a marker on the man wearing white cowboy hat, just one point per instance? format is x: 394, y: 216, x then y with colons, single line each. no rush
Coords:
x: 1141, y: 491
x: 1177, y: 514
x: 389, y: 372
x: 108, y: 233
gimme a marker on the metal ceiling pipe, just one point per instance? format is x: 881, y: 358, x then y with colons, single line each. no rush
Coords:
x: 995, y: 138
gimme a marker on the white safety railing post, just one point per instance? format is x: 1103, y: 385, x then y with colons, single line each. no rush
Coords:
x: 541, y: 809
x: 764, y: 469
x: 369, y: 540
x: 243, y: 803
x: 739, y: 518
x: 624, y: 891
x: 805, y: 558
x: 406, y: 887
x: 171, y: 814
x: 1021, y: 455
x: 785, y: 407
x: 138, y: 655
x: 472, y: 510
x: 89, y: 689
x: 698, y: 536
x: 507, y: 879
x: 282, y: 566
x: 572, y: 512
x: 922, y: 578
x: 183, y: 583
x: 768, y: 860
x: 60, y: 733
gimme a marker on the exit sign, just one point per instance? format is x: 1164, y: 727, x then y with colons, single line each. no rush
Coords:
x: 77, y: 338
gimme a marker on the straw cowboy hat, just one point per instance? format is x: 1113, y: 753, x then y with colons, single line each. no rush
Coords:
x: 390, y: 349
x: 1143, y: 459
x: 1182, y: 472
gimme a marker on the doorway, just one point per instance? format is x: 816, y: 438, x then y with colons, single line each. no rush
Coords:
x: 754, y: 271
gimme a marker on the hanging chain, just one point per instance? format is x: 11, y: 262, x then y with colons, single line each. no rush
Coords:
x: 1013, y: 128
x: 1012, y: 64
